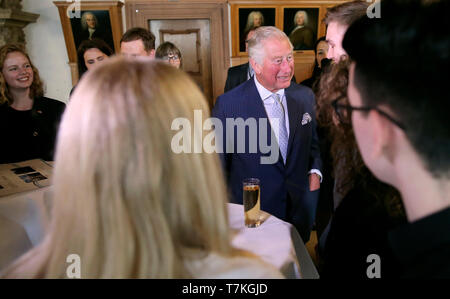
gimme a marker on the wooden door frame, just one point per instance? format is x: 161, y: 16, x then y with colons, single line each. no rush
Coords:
x: 139, y: 12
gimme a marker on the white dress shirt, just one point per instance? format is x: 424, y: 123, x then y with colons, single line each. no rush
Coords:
x: 269, y: 103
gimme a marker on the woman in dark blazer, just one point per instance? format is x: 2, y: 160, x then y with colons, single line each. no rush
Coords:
x: 28, y: 120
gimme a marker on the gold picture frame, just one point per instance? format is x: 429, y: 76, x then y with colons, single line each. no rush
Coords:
x: 108, y: 16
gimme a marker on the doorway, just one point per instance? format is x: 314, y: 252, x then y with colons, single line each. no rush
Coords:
x: 183, y: 22
x: 192, y: 38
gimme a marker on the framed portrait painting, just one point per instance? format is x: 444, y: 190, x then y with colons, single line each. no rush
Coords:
x: 301, y: 26
x: 253, y: 17
x: 81, y: 20
x: 92, y: 24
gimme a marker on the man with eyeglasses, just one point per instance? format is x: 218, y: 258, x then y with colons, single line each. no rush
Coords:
x: 399, y: 105
x: 170, y: 53
x: 288, y: 182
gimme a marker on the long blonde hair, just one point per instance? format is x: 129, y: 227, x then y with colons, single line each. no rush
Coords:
x: 123, y: 200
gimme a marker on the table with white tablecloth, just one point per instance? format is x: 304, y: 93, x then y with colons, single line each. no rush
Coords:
x: 24, y: 218
x: 275, y: 241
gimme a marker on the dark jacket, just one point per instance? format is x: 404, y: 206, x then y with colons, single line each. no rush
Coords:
x: 423, y: 247
x: 283, y: 186
x: 30, y: 134
x: 360, y: 227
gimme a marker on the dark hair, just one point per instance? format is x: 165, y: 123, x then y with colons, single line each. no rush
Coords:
x: 85, y: 45
x: 138, y: 33
x: 36, y: 88
x: 349, y: 169
x: 346, y: 13
x: 167, y: 48
x: 411, y: 43
x: 321, y: 39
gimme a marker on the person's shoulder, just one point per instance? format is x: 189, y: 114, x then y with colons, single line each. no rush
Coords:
x: 50, y: 104
x: 302, y: 93
x: 4, y: 106
x: 300, y: 88
x: 239, y: 267
x: 50, y: 101
x: 238, y: 68
x: 235, y: 95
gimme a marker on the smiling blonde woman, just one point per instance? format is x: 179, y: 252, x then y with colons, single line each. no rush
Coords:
x: 123, y: 201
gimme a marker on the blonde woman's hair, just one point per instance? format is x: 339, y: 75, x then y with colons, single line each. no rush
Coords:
x: 123, y: 200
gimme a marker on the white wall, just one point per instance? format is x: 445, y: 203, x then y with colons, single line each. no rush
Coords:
x: 47, y: 48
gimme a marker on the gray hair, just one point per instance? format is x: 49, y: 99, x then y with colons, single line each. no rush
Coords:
x: 83, y: 20
x: 250, y: 18
x: 305, y: 17
x: 256, y: 43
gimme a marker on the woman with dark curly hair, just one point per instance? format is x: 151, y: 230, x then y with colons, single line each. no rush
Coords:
x: 365, y: 209
x: 28, y: 120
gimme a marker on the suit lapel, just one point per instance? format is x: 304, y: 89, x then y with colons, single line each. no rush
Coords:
x: 295, y: 111
x: 255, y: 108
x: 253, y: 102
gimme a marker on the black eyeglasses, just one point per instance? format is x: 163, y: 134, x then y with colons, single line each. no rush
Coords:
x: 344, y: 112
x: 171, y: 58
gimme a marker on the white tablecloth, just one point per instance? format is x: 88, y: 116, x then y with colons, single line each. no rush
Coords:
x: 275, y: 241
x: 24, y: 218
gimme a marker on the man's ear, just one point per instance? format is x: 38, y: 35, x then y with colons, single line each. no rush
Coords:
x: 383, y: 132
x: 152, y: 54
x: 255, y: 66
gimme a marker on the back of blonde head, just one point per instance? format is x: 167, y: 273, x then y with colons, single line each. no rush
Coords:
x: 124, y: 202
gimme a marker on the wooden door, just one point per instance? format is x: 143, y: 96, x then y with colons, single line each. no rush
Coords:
x: 209, y: 16
x: 192, y: 37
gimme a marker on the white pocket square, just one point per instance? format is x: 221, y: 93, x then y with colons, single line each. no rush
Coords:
x: 306, y: 118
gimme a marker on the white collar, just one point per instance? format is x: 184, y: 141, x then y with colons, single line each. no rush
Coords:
x: 264, y: 93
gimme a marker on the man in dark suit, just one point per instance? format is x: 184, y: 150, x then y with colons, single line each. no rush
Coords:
x: 290, y: 171
x: 240, y: 73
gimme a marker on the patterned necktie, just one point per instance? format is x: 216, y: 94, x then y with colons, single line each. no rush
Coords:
x: 282, y: 135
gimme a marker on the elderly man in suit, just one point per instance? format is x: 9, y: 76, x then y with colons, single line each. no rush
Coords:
x: 271, y: 98
x: 240, y: 73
